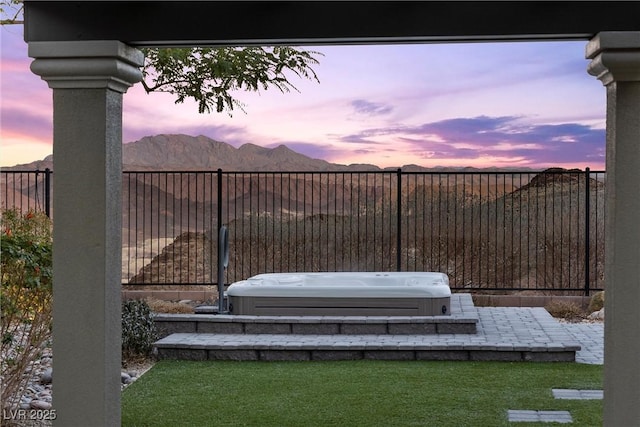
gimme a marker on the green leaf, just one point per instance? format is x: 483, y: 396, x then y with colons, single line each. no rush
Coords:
x: 209, y: 76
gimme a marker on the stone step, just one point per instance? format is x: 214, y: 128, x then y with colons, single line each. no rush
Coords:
x: 272, y: 347
x: 462, y: 320
x: 309, y: 325
x: 504, y: 334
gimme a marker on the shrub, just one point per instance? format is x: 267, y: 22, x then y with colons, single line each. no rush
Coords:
x: 565, y: 310
x: 597, y: 302
x: 25, y: 296
x: 138, y: 330
x: 160, y: 306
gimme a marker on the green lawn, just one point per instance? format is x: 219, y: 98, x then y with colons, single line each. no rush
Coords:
x: 354, y: 393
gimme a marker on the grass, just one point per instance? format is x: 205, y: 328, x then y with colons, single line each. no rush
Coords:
x: 354, y: 393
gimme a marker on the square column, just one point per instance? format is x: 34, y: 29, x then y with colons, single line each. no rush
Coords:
x: 616, y: 62
x: 88, y: 81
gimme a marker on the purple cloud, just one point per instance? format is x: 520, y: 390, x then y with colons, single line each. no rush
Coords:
x: 365, y: 136
x: 362, y: 106
x: 499, y: 137
x: 20, y: 122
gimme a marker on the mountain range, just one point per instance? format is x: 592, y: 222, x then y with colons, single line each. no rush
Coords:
x: 189, y: 153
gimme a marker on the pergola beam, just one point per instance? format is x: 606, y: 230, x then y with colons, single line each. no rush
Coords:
x: 176, y: 23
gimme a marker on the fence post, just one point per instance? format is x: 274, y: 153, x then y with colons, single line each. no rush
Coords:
x: 399, y: 223
x: 219, y: 220
x: 587, y: 230
x: 47, y: 192
x: 223, y: 262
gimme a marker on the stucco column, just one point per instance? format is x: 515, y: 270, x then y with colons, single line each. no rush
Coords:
x: 616, y: 62
x: 88, y: 81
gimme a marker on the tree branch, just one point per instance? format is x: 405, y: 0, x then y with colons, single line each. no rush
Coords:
x: 14, y: 20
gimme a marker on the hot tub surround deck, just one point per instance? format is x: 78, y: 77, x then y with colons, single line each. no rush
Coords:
x: 502, y: 333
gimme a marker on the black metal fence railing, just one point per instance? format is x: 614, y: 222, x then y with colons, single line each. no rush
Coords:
x: 170, y: 223
x: 489, y: 231
x: 25, y: 190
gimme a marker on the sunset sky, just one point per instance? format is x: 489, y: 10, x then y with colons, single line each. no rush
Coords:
x: 519, y: 104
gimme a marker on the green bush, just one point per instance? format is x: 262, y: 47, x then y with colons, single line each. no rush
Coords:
x: 138, y: 329
x: 25, y: 295
x: 597, y: 302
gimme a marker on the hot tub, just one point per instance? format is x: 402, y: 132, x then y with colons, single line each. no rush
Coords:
x: 342, y: 294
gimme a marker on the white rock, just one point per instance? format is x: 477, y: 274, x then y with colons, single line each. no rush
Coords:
x: 597, y: 315
x: 44, y: 394
x: 47, y: 376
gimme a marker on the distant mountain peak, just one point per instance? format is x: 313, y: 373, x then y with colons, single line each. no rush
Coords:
x: 252, y: 148
x: 185, y: 152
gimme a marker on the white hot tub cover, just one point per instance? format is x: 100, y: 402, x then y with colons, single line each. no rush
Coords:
x: 344, y: 285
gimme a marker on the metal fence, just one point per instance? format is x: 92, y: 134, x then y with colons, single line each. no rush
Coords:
x: 25, y: 190
x: 489, y: 231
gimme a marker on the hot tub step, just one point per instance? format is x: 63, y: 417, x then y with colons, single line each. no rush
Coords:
x: 462, y: 320
x: 310, y: 326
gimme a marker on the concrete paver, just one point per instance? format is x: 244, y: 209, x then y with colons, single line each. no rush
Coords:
x: 530, y: 416
x: 591, y: 339
x: 571, y: 394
